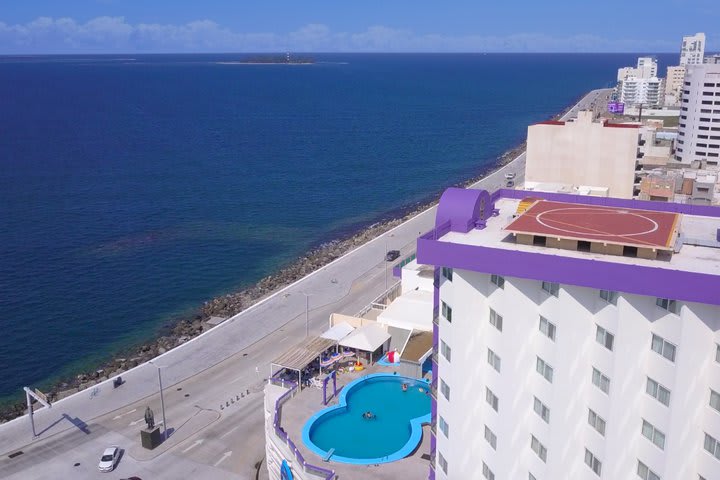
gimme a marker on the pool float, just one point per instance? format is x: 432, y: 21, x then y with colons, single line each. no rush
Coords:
x: 393, y: 356
x: 327, y: 361
x: 359, y: 366
x: 348, y: 353
x: 335, y: 356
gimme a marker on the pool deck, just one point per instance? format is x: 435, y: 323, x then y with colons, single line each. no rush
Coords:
x: 309, y: 401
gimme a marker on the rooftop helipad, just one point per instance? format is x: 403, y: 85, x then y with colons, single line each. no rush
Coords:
x: 608, y: 225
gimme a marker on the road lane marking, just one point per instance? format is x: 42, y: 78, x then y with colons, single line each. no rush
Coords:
x: 123, y: 414
x: 224, y: 457
x: 231, y: 430
x: 197, y: 442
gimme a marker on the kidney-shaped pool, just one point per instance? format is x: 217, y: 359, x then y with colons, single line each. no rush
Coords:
x: 397, y: 407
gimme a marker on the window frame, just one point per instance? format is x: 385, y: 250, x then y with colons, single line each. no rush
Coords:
x: 541, y: 410
x: 446, y: 311
x: 445, y: 389
x: 447, y: 273
x: 542, y: 367
x: 490, y: 437
x: 601, y: 377
x: 550, y: 329
x: 495, y: 319
x: 602, y: 336
x: 541, y: 451
x: 654, y: 434
x: 595, y: 420
x: 494, y: 360
x: 442, y: 461
x: 445, y: 350
x: 664, y: 345
x: 498, y: 281
x: 443, y: 426
x: 648, y: 474
x: 552, y: 288
x: 492, y: 399
x: 593, y: 462
x: 610, y: 296
x: 668, y: 304
x: 658, y: 390
x: 714, y: 395
x: 487, y: 473
x: 714, y: 450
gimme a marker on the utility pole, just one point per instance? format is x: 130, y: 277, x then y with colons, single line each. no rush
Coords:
x: 162, y: 400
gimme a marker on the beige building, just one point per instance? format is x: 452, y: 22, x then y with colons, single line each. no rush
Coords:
x: 584, y: 153
x: 674, y: 84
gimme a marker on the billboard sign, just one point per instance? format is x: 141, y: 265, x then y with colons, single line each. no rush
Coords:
x: 616, y: 107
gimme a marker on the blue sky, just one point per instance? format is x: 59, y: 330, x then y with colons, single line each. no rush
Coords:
x: 107, y: 26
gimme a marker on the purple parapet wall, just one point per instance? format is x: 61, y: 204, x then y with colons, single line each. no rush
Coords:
x: 463, y: 208
x: 629, y: 278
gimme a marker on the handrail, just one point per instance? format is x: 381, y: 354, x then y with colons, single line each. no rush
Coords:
x: 377, y: 302
x: 282, y: 435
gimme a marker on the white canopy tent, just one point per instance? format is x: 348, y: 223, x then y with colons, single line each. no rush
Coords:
x: 367, y: 338
x: 338, y: 332
x: 412, y: 310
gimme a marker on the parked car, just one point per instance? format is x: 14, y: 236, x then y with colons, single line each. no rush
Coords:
x: 109, y: 459
x: 509, y: 184
x: 392, y: 255
x: 509, y: 175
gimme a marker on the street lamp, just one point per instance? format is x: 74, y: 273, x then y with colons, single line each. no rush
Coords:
x: 162, y: 399
x: 307, y: 313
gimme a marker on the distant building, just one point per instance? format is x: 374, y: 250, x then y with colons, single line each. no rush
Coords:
x: 583, y: 153
x: 698, y: 141
x: 697, y: 187
x: 642, y: 91
x: 712, y: 59
x: 692, y: 51
x: 646, y: 68
x: 673, y: 84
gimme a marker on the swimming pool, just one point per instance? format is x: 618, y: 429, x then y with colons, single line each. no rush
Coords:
x: 393, y: 433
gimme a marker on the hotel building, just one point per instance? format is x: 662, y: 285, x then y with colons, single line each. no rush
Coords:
x: 692, y: 50
x: 698, y: 140
x: 576, y: 337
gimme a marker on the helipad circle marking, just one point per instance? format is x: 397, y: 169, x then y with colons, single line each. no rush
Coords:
x: 587, y: 231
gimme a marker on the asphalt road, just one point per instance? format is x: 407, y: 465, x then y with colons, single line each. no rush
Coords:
x: 212, y: 384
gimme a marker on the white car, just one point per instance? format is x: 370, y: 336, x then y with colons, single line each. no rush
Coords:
x: 509, y: 175
x: 109, y: 459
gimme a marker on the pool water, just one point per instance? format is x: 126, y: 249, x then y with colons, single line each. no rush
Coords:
x: 393, y: 434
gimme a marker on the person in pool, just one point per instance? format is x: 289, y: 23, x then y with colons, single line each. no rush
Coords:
x: 368, y: 415
x: 404, y: 387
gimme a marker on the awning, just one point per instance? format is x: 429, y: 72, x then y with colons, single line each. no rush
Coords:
x: 412, y: 310
x: 338, y: 332
x: 302, y: 354
x: 367, y: 338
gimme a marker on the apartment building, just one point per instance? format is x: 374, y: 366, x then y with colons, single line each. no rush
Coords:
x: 577, y: 338
x: 692, y: 50
x: 699, y: 127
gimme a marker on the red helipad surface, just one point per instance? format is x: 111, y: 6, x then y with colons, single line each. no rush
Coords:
x: 624, y: 226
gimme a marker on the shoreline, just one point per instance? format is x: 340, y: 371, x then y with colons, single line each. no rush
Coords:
x: 182, y: 330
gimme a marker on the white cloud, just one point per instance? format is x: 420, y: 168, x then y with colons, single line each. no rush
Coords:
x: 115, y: 34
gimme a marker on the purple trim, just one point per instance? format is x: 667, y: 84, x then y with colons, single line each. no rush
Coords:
x: 397, y: 272
x: 641, y: 280
x: 328, y: 474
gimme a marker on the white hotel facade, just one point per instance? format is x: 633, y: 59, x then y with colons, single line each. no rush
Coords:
x: 558, y: 359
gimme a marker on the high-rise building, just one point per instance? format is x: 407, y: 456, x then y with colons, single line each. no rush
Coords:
x: 646, y: 68
x: 699, y: 128
x: 642, y: 91
x: 692, y: 51
x: 576, y: 337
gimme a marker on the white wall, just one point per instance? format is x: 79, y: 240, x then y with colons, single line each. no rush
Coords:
x: 576, y: 312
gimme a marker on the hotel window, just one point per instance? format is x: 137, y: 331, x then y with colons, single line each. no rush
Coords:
x: 604, y: 338
x: 445, y: 389
x: 600, y: 381
x: 592, y: 462
x: 663, y: 347
x: 596, y: 421
x: 490, y: 437
x: 491, y: 399
x: 667, y: 304
x: 498, y: 280
x: 609, y: 296
x: 654, y: 389
x: 542, y: 410
x: 496, y: 320
x: 552, y: 288
x: 447, y: 273
x: 645, y: 473
x: 544, y: 369
x: 446, y: 311
x: 445, y: 350
x: 531, y: 476
x: 653, y: 434
x: 715, y: 400
x: 717, y: 353
x: 538, y: 448
x: 487, y: 473
x: 444, y: 427
x: 712, y: 446
x: 494, y: 360
x: 547, y: 328
x: 443, y: 463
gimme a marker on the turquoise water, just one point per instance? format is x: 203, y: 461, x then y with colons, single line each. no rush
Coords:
x: 389, y: 436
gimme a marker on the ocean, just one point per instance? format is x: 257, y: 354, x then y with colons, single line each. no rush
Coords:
x: 133, y: 188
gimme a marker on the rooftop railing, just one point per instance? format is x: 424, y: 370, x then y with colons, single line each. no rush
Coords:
x: 382, y: 301
x: 322, y: 473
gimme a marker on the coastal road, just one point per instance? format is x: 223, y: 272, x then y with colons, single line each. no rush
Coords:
x: 213, y: 383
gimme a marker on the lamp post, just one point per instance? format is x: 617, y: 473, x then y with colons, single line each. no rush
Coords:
x: 162, y: 400
x: 307, y: 313
x: 386, y: 260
